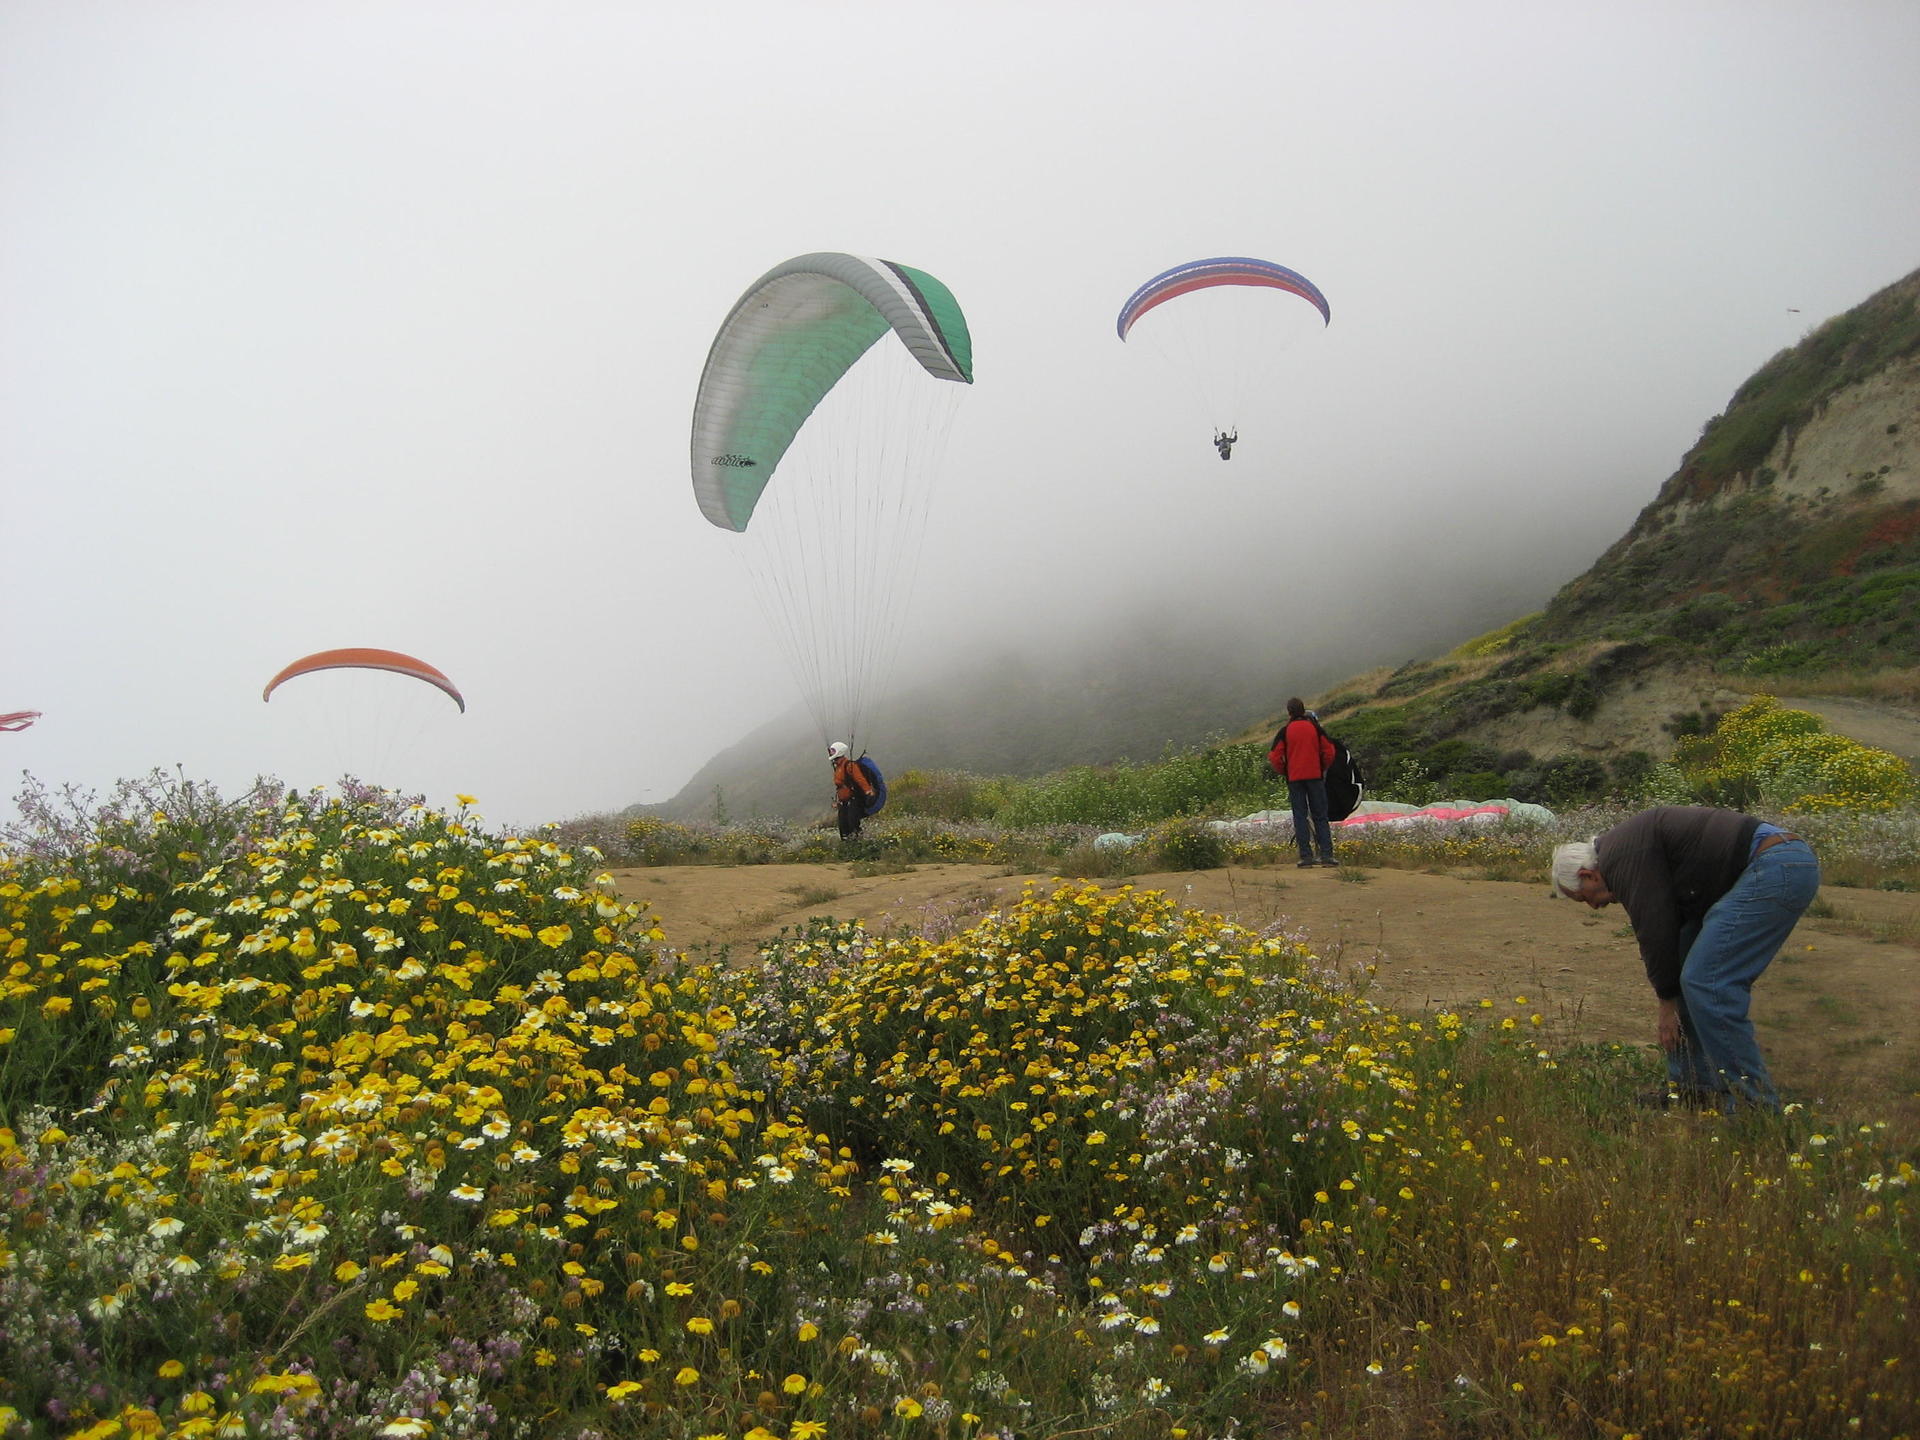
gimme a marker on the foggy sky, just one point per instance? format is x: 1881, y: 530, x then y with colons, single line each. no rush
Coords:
x: 379, y: 324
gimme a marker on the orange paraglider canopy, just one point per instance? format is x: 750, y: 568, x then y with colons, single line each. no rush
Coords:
x: 365, y: 659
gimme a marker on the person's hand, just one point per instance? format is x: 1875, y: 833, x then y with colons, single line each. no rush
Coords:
x: 1670, y: 1026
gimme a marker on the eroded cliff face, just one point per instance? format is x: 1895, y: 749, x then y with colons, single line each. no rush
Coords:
x: 1785, y: 544
x: 1838, y: 408
x: 1811, y: 475
x: 1862, y: 444
x: 1867, y: 437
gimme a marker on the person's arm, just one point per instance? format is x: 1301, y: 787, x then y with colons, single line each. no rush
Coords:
x: 1670, y: 1025
x: 1657, y: 928
x: 1639, y: 878
x: 1633, y: 863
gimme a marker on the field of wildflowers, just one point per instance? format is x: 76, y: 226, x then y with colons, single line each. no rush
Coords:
x: 332, y: 1115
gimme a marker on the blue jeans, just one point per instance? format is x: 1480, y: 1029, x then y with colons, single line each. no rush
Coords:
x: 1310, y: 797
x: 1722, y: 956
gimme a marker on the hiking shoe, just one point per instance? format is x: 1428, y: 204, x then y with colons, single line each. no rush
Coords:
x: 1306, y: 864
x: 1330, y: 861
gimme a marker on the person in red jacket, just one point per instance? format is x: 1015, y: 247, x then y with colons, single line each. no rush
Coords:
x: 851, y: 789
x: 1302, y: 752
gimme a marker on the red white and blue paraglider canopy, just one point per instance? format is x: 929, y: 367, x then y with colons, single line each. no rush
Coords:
x: 1222, y: 270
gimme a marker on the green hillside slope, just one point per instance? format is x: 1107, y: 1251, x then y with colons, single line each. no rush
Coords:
x: 1783, y: 554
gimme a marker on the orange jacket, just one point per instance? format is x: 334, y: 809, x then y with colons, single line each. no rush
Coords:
x: 1303, y: 759
x: 847, y: 777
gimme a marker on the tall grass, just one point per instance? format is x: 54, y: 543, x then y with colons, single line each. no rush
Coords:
x: 1211, y: 780
x: 1895, y: 683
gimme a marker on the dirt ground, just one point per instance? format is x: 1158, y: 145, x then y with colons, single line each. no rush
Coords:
x: 1877, y: 723
x: 1838, y: 1012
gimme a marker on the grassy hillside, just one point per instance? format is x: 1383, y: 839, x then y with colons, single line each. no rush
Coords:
x: 1782, y: 555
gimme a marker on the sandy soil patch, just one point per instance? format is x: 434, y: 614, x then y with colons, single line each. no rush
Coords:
x: 1883, y: 726
x: 1839, y: 1011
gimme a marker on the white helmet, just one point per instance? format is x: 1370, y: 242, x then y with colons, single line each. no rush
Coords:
x: 837, y: 750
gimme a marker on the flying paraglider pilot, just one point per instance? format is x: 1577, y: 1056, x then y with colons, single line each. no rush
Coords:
x: 1224, y: 441
x: 851, y: 789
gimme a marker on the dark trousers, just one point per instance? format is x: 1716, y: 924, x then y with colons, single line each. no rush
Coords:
x: 1309, y: 798
x: 849, y: 815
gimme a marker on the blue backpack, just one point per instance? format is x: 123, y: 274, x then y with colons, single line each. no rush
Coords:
x: 878, y: 800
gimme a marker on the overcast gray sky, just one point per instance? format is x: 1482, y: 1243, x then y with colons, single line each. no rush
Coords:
x: 379, y: 324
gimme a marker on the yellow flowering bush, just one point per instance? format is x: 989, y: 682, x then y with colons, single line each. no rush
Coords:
x: 1076, y: 1095
x: 1786, y: 759
x: 1830, y: 772
x: 1088, y: 1054
x: 377, y: 1072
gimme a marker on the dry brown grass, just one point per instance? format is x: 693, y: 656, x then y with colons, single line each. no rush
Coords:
x: 1894, y: 685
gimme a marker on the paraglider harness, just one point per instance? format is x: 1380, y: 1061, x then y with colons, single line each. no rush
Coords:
x: 1224, y: 442
x: 877, y: 801
x: 1346, y: 786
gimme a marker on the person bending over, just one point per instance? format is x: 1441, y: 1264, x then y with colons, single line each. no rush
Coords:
x: 1713, y: 895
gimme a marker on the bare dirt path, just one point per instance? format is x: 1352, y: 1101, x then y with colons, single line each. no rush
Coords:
x: 1872, y: 722
x: 1839, y: 1011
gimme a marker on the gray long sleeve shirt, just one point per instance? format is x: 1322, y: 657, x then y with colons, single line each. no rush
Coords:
x: 1667, y: 866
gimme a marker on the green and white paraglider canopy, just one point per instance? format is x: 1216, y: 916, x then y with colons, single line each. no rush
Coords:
x: 800, y: 385
x: 799, y: 328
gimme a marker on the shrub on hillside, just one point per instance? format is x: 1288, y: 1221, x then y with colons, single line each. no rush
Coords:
x: 1568, y: 780
x: 1478, y: 785
x: 1188, y: 844
x: 1786, y: 658
x: 654, y: 841
x: 1494, y: 641
x: 1665, y: 784
x: 1703, y: 616
x: 1206, y: 780
x: 1405, y: 782
x: 1764, y: 753
x: 1459, y: 756
x: 947, y: 794
x: 1831, y: 772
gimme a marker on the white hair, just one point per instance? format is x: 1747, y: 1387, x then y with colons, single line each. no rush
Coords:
x: 1569, y: 860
